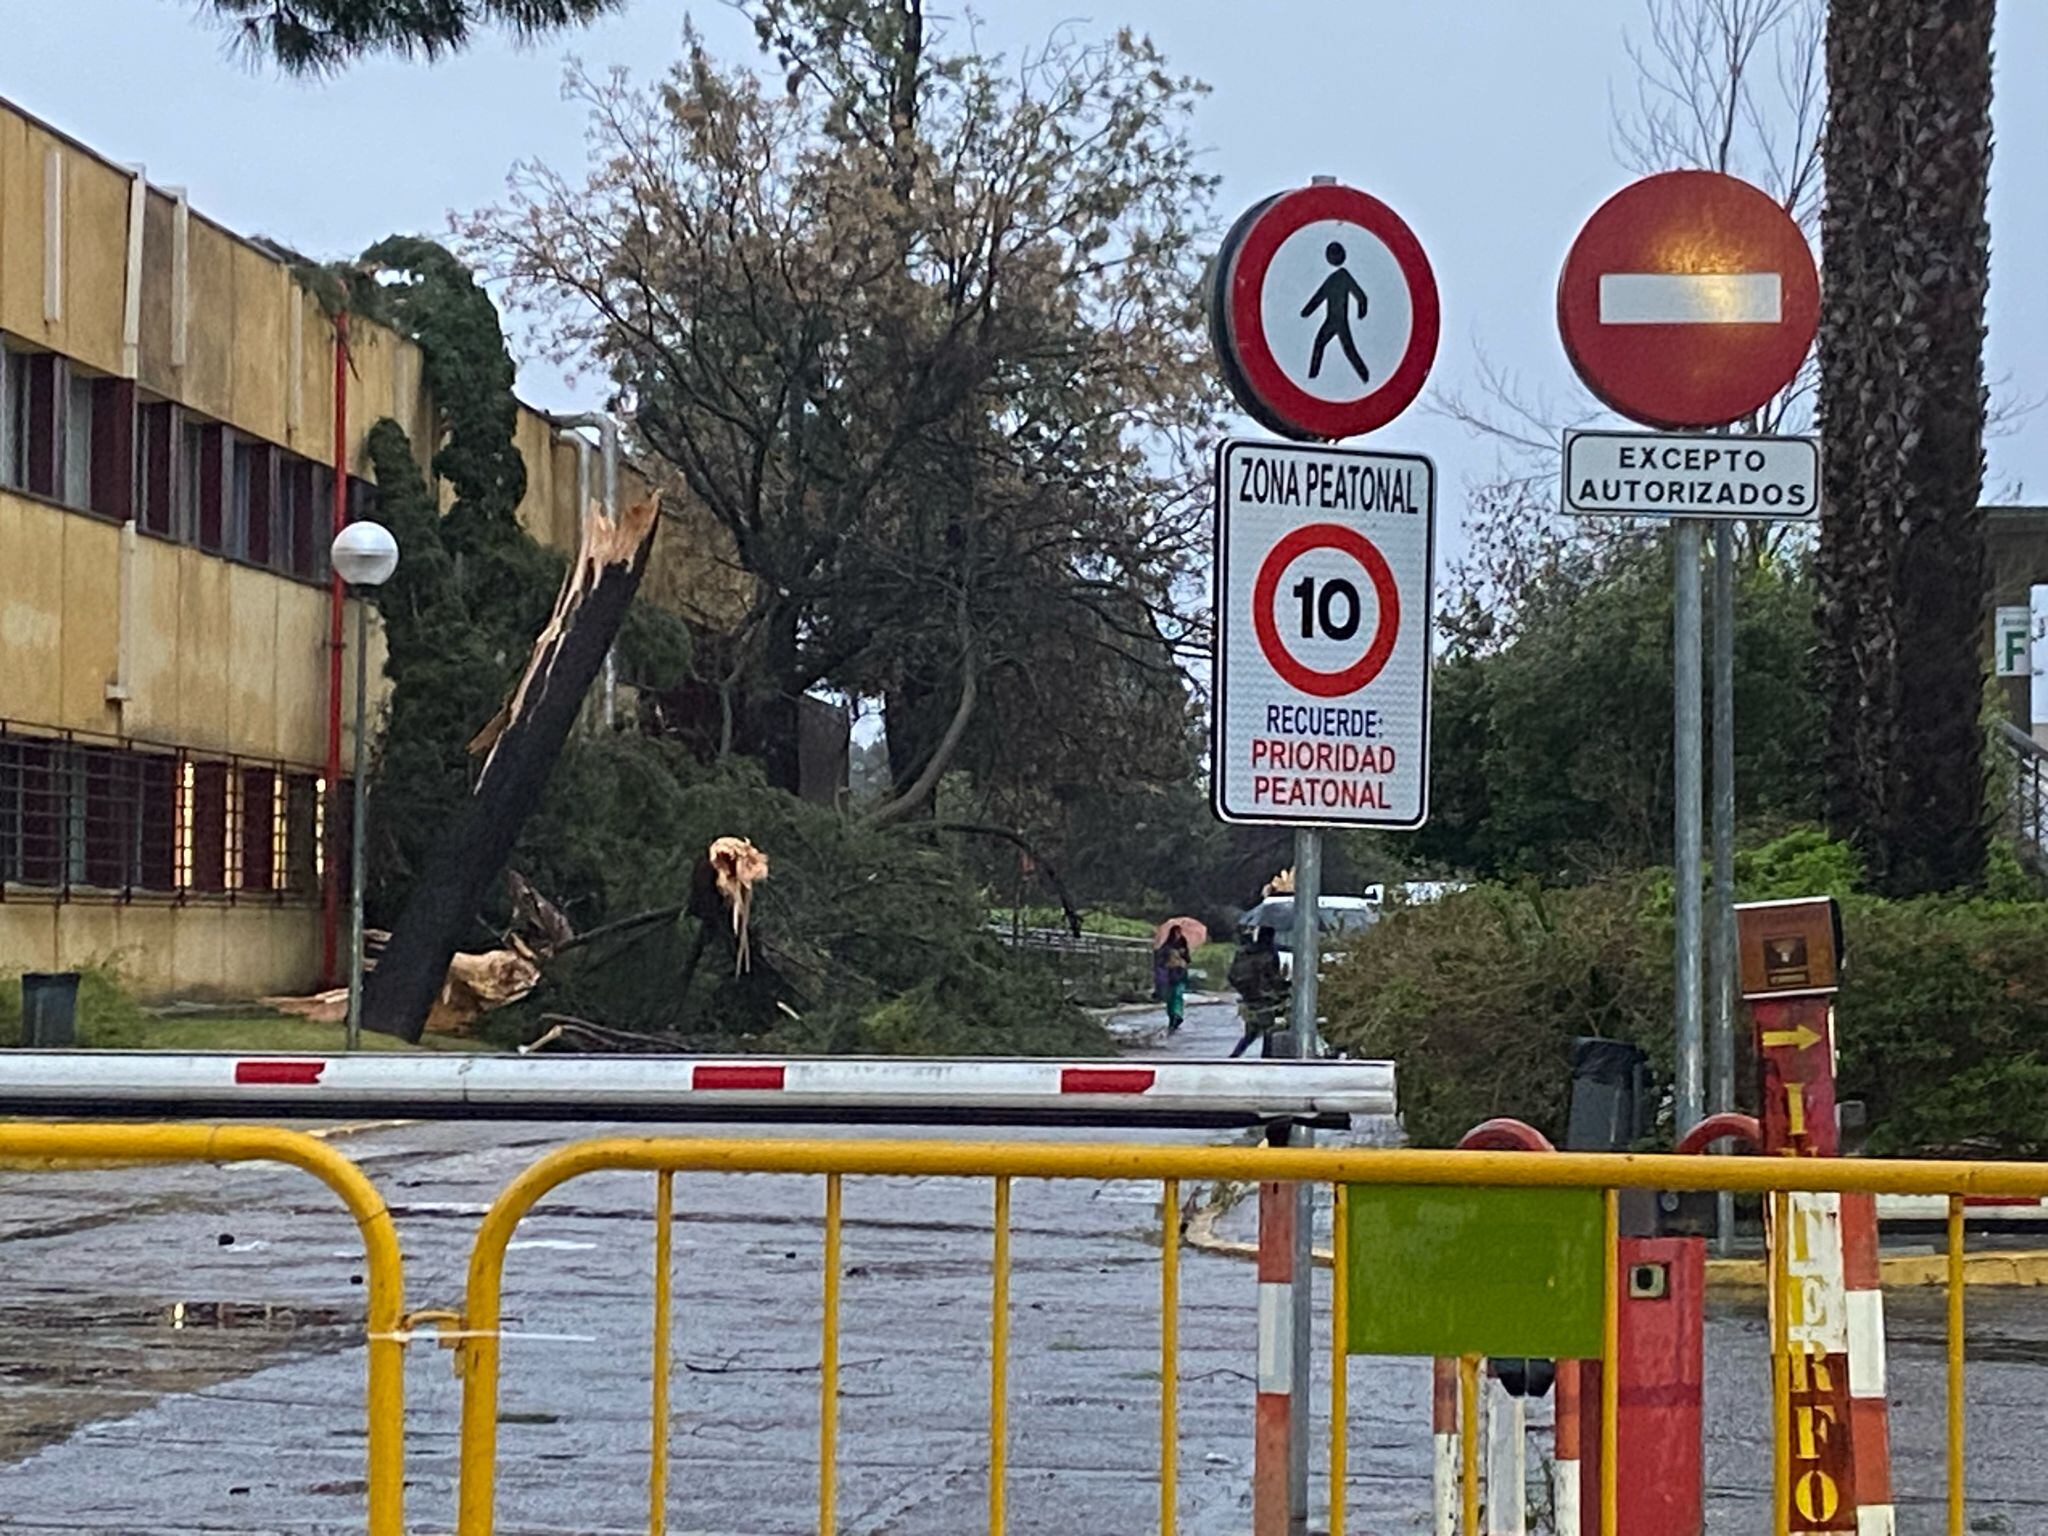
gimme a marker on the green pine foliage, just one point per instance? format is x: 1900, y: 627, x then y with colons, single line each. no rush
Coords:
x: 322, y: 37
x: 863, y: 939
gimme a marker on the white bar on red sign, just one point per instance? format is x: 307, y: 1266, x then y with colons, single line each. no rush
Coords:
x: 600, y: 1087
x: 1691, y: 298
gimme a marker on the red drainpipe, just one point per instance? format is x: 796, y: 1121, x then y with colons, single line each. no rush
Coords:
x: 330, y: 884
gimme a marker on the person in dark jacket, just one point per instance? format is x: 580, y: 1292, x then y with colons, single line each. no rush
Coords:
x: 1256, y: 975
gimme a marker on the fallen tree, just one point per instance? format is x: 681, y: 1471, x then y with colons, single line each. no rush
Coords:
x: 519, y: 746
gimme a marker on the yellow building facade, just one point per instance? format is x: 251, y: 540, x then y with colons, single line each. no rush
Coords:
x: 167, y: 423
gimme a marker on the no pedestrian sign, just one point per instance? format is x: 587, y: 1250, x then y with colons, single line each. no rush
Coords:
x: 1322, y: 635
x: 1628, y: 474
x: 1323, y: 311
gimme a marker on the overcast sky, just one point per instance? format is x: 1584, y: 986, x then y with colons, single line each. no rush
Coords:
x: 1485, y: 123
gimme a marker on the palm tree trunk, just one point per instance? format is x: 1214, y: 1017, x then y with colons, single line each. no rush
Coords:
x: 1906, y: 263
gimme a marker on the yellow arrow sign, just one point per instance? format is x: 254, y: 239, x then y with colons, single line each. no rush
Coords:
x: 1799, y: 1037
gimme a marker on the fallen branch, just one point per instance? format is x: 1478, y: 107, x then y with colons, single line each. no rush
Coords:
x: 1038, y: 861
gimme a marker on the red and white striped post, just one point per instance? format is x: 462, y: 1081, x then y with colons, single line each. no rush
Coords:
x: 1273, y: 1420
x: 1443, y: 1437
x: 1869, y: 1420
x: 1564, y: 1475
x: 1834, y: 1323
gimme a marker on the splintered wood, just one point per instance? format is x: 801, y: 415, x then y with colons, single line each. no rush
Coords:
x: 606, y: 543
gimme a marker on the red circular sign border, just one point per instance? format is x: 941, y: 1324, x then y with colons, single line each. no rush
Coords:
x: 1802, y: 298
x: 1386, y: 591
x: 1256, y: 366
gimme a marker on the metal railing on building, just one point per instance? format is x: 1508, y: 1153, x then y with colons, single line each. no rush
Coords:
x: 87, y: 817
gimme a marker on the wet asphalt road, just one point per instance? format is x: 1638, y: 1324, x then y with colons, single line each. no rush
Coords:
x: 180, y: 1351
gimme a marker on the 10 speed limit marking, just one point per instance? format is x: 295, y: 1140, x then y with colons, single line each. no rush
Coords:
x: 1322, y: 687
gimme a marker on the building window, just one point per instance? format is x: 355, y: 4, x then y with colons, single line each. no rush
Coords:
x: 258, y: 825
x: 45, y: 391
x: 206, y: 826
x: 306, y: 491
x: 250, y: 534
x: 302, y: 821
x: 113, y: 448
x: 156, y: 460
x: 263, y: 507
x: 241, y: 493
x: 191, y: 449
x: 76, y: 487
x: 109, y: 818
x: 31, y: 812
x: 13, y: 419
x: 211, y: 488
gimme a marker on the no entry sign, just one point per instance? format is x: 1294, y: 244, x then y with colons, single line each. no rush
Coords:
x: 1688, y: 300
x: 1322, y: 635
x: 1323, y: 311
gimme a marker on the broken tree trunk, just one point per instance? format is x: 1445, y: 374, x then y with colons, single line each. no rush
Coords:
x: 520, y: 745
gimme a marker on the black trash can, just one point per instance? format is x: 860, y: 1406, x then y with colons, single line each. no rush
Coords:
x: 1611, y: 1106
x: 49, y: 1009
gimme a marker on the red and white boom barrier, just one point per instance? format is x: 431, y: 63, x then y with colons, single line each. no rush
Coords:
x: 902, y: 1090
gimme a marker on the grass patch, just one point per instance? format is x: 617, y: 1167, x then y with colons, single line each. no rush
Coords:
x: 109, y: 1019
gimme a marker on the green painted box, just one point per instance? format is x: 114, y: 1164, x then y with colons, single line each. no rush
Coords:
x: 1454, y: 1271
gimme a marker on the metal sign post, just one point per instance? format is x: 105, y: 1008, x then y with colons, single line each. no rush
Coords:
x: 1688, y: 1066
x: 1721, y: 917
x: 1323, y: 310
x: 1302, y: 1043
x: 1688, y: 300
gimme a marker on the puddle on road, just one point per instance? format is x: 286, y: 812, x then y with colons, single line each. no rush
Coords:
x: 68, y: 1361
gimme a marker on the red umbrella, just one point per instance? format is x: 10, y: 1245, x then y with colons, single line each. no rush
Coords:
x: 1194, y: 931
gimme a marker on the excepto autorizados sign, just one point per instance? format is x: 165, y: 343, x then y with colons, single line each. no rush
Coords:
x: 1656, y: 474
x: 1322, y: 635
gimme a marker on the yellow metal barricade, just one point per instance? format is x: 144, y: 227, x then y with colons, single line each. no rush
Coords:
x: 1170, y: 1166
x: 59, y: 1146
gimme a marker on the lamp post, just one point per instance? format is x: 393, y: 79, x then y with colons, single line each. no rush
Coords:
x: 364, y: 556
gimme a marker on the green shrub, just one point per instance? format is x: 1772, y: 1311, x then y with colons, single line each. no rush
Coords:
x: 1942, y: 1022
x: 1477, y: 997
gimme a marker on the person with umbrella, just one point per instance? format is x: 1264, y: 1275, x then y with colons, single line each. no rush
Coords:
x: 1170, y: 965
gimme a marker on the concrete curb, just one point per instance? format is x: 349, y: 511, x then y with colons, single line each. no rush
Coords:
x: 2019, y: 1268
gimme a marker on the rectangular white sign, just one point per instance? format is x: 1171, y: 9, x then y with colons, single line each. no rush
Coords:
x: 2013, y: 646
x: 1663, y: 474
x: 1323, y: 614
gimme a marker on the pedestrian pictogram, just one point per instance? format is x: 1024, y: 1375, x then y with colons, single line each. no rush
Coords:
x: 1335, y: 298
x: 1688, y: 300
x: 1323, y: 604
x: 1324, y: 312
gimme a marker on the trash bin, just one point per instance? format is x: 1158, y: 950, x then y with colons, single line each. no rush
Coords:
x: 49, y: 1009
x: 1611, y: 1107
